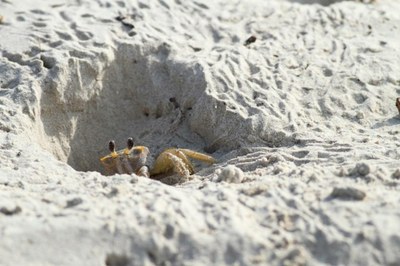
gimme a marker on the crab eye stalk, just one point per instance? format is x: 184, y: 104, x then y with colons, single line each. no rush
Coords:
x: 111, y: 146
x: 130, y: 143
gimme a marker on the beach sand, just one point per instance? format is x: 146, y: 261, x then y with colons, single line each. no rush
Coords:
x: 302, y: 123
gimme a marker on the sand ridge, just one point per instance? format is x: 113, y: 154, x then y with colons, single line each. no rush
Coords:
x: 302, y: 122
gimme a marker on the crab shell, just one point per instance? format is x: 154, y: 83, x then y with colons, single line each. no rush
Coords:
x: 169, y: 162
x: 127, y: 161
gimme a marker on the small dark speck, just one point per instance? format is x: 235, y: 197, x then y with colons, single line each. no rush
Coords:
x: 146, y: 112
x: 9, y: 212
x: 19, y: 154
x: 250, y: 40
x: 169, y: 231
x: 46, y: 200
x: 196, y: 49
x: 116, y: 260
x: 114, y: 192
x: 327, y: 72
x: 152, y: 257
x: 173, y: 100
x: 125, y: 21
x: 73, y: 202
x: 120, y: 18
x: 347, y: 193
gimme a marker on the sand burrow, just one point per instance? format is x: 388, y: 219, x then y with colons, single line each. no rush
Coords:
x: 154, y: 94
x: 131, y: 92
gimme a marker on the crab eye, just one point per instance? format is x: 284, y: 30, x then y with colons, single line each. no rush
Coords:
x: 111, y: 145
x: 130, y: 143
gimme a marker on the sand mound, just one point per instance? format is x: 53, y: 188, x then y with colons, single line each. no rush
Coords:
x: 301, y: 120
x: 133, y: 92
x: 150, y: 94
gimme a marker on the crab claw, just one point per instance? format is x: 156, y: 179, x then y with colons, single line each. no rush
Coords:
x: 143, y: 171
x: 177, y: 161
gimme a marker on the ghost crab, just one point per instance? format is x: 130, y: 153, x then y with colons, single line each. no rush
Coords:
x: 132, y: 160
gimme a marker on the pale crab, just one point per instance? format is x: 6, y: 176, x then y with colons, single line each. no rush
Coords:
x: 132, y: 160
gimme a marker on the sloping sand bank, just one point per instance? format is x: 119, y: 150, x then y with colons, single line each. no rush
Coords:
x: 302, y: 122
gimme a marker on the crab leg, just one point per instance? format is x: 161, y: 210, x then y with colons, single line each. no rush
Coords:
x: 143, y: 171
x: 176, y: 160
x: 162, y: 165
x: 180, y: 164
x: 198, y: 156
x: 132, y: 160
x: 136, y: 157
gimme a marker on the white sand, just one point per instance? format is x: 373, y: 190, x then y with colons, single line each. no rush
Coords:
x: 302, y: 122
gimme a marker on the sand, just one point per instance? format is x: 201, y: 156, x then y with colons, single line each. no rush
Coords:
x: 302, y: 122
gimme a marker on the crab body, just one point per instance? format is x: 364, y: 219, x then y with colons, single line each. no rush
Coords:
x: 127, y: 161
x: 169, y: 162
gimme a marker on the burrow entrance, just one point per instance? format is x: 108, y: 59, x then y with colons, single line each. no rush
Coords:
x: 130, y: 93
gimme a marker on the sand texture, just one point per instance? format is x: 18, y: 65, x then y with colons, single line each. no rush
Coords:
x: 302, y: 123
